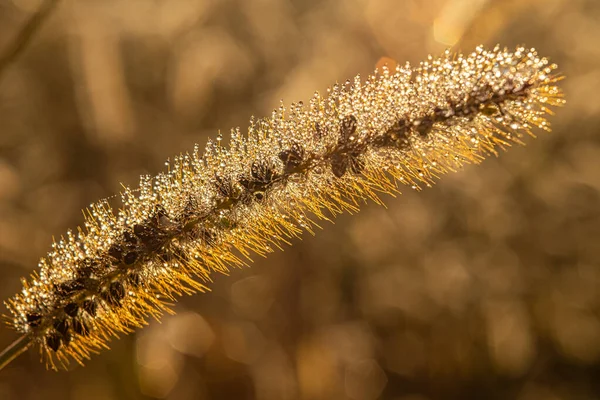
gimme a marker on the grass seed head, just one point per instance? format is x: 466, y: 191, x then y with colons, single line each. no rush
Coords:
x: 212, y: 210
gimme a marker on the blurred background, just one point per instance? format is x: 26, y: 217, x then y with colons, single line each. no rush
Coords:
x: 486, y: 286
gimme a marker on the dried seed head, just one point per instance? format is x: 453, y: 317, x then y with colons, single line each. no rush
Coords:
x: 409, y: 126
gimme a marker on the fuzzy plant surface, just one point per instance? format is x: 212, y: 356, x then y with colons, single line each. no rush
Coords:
x: 215, y: 208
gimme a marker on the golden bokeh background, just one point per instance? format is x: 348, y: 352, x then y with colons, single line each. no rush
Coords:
x: 486, y: 286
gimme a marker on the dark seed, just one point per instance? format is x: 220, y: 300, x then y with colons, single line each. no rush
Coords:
x: 87, y: 268
x: 81, y: 326
x: 424, y: 127
x: 159, y: 212
x: 130, y: 258
x: 150, y: 235
x: 139, y: 230
x: 67, y: 338
x: 269, y: 174
x: 146, y: 232
x: 105, y: 295
x: 68, y: 288
x: 130, y: 238
x: 85, y: 272
x: 190, y: 210
x: 292, y: 158
x: 115, y: 293
x: 259, y: 195
x: 117, y: 290
x: 72, y: 309
x: 115, y: 251
x: 262, y: 176
x: 347, y: 128
x: 396, y: 136
x: 255, y: 170
x: 92, y: 284
x: 262, y: 172
x: 223, y: 185
x: 33, y: 319
x: 79, y: 283
x: 54, y: 341
x: 339, y: 164
x: 161, y: 218
x: 90, y: 307
x: 320, y: 132
x: 438, y: 113
x: 62, y: 326
x: 246, y: 183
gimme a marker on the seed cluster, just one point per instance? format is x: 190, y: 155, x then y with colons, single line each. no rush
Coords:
x: 211, y: 211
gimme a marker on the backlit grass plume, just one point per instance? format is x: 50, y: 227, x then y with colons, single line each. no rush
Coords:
x: 215, y: 208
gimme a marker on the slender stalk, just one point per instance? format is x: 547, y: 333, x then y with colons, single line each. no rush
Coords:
x: 7, y: 57
x: 25, y: 35
x: 13, y: 351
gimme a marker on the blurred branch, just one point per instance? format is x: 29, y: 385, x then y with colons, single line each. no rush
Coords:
x: 7, y: 57
x: 25, y: 35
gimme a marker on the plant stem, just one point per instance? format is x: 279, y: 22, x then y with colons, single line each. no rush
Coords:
x: 25, y: 35
x: 14, y: 350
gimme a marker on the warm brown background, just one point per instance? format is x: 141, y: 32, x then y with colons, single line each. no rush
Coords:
x: 484, y: 287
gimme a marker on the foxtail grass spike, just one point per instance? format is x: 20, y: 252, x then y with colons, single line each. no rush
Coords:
x: 214, y: 209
